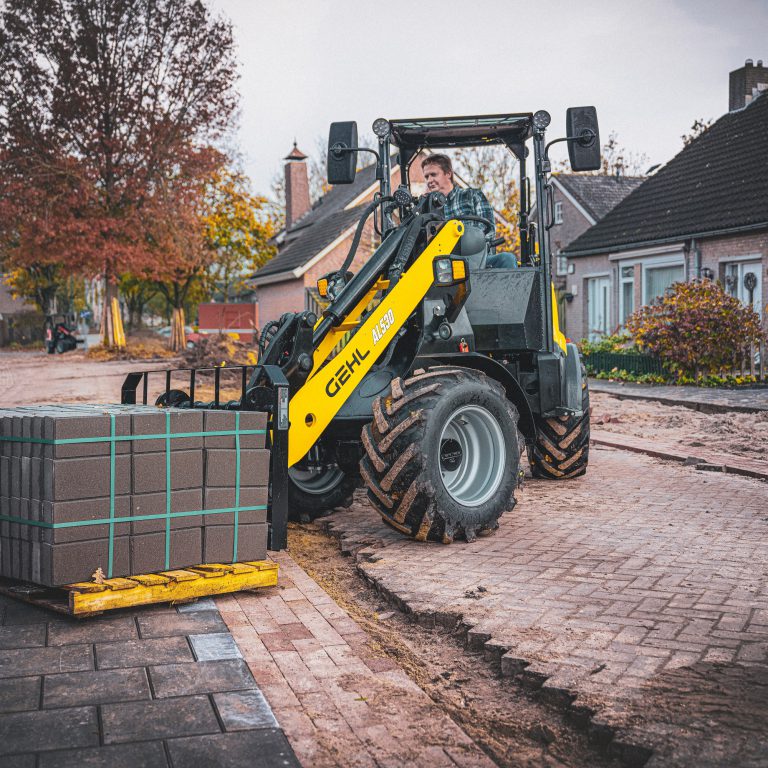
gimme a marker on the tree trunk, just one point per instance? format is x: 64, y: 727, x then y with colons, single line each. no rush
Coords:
x: 178, y: 338
x: 111, y: 331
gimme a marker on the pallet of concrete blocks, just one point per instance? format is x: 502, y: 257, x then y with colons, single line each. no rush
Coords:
x: 128, y: 490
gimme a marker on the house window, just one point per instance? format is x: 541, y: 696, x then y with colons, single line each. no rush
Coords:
x: 598, y: 307
x: 626, y: 293
x: 561, y: 263
x: 743, y: 280
x: 658, y: 279
x: 558, y: 213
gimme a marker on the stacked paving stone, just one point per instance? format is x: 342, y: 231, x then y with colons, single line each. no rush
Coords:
x: 55, y: 483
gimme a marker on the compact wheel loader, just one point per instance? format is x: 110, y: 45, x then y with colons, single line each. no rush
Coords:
x: 427, y: 374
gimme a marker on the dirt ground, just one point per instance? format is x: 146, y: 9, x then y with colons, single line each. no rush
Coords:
x: 509, y: 725
x: 740, y: 434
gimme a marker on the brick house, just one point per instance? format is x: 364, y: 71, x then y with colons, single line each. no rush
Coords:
x: 702, y: 215
x: 580, y: 201
x: 316, y: 238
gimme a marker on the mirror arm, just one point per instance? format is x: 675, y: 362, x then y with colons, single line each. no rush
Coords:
x: 585, y: 138
x: 338, y: 150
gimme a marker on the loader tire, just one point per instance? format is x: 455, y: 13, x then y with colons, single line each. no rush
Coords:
x: 441, y: 454
x: 317, y: 485
x: 561, y: 448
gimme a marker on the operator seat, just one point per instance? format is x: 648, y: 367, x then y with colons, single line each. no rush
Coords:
x: 473, y: 247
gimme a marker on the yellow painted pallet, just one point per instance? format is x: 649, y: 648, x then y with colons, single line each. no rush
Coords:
x: 89, y: 598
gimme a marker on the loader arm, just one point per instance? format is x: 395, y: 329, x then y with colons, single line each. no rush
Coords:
x: 314, y: 405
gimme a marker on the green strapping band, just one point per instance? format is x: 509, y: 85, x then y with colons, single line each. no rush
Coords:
x: 134, y: 518
x: 112, y: 439
x: 237, y: 485
x: 123, y: 438
x: 167, y: 490
x: 111, y: 496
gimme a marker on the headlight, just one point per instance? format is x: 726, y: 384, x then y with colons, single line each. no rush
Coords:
x: 381, y: 127
x: 443, y: 271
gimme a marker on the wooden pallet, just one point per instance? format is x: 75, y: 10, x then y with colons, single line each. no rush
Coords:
x: 89, y: 598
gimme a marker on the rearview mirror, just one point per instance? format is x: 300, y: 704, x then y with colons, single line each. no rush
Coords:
x: 342, y: 154
x: 583, y: 138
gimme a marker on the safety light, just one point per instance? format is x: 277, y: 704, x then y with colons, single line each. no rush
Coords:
x: 541, y: 119
x: 459, y: 269
x: 443, y: 271
x: 381, y: 127
x: 322, y: 287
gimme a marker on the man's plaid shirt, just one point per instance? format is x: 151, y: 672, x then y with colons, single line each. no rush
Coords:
x: 469, y: 202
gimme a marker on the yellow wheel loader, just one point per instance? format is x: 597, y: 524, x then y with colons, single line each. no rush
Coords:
x: 427, y: 372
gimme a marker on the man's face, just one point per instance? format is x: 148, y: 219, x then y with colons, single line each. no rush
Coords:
x: 437, y: 179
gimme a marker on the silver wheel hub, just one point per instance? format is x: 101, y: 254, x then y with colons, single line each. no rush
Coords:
x: 315, y: 477
x: 473, y: 455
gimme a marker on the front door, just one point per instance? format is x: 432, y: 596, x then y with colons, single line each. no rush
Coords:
x: 598, y: 307
x: 744, y: 280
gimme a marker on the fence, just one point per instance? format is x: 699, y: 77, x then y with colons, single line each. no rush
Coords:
x: 753, y: 362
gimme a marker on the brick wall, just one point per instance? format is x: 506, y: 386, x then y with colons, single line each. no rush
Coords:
x: 716, y: 253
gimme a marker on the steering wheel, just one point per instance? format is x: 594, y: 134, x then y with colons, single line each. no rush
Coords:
x: 487, y: 223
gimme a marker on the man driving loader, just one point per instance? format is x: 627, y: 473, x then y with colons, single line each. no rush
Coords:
x: 462, y: 202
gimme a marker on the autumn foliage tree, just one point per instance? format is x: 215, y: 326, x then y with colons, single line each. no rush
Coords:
x: 696, y: 328
x: 103, y: 104
x: 238, y: 226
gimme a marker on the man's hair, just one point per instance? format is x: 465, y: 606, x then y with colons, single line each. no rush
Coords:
x: 441, y: 160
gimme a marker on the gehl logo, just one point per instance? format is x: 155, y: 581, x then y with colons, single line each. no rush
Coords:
x: 344, y: 372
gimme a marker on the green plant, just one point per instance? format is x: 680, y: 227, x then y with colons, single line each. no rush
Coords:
x: 696, y: 328
x: 619, y: 342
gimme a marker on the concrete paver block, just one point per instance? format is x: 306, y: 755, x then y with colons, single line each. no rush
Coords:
x: 97, y: 687
x: 244, y: 710
x: 44, y: 730
x: 235, y: 750
x: 203, y: 677
x: 147, y: 720
x: 210, y: 647
x: 140, y: 653
x: 144, y: 754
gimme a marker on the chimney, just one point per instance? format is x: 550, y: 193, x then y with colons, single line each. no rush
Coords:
x: 296, y: 186
x: 746, y: 83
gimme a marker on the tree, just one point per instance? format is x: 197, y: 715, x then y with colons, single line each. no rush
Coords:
x: 98, y: 102
x: 699, y: 127
x: 237, y: 228
x: 494, y: 170
x: 696, y: 328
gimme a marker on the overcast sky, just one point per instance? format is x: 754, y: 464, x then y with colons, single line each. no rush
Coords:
x: 651, y: 68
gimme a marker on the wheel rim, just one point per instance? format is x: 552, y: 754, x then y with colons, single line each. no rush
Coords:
x: 473, y: 455
x: 315, y: 477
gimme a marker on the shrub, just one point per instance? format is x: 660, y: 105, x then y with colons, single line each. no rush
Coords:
x: 696, y: 328
x: 620, y: 342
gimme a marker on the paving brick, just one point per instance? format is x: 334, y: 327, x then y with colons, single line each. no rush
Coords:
x: 44, y: 730
x: 43, y: 661
x: 147, y: 754
x: 244, y: 710
x: 19, y: 693
x: 214, y: 646
x: 140, y: 653
x: 99, y: 629
x: 20, y: 761
x: 97, y: 687
x: 172, y: 623
x: 147, y: 720
x: 27, y: 636
x: 234, y: 750
x: 203, y: 677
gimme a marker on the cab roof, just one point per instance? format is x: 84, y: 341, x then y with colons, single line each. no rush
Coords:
x: 445, y: 132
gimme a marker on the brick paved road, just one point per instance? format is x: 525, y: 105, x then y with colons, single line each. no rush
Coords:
x: 341, y: 706
x: 147, y: 689
x: 602, y: 587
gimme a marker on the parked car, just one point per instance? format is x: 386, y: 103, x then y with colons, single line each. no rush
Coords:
x: 192, y: 336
